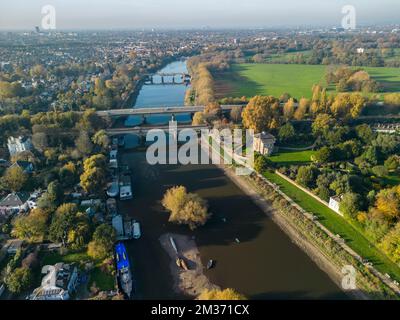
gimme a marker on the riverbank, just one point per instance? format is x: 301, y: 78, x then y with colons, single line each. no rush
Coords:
x: 190, y: 282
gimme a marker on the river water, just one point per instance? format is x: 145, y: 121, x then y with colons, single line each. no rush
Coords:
x: 264, y: 265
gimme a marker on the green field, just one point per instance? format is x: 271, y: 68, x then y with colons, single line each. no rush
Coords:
x: 296, y: 79
x: 292, y: 157
x: 337, y: 225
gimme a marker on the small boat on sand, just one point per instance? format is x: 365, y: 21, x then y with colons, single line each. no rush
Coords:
x: 210, y: 264
x: 173, y: 244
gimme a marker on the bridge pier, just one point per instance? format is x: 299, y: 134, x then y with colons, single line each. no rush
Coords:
x: 144, y: 119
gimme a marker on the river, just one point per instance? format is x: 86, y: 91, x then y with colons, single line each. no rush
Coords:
x: 266, y: 264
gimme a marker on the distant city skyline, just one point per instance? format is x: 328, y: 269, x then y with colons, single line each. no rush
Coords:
x: 176, y: 14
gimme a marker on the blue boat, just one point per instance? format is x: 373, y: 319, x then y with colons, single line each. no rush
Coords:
x: 124, y: 274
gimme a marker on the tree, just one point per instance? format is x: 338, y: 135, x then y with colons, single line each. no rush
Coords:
x: 261, y: 163
x: 14, y: 178
x: 185, y: 208
x: 102, y: 242
x: 288, y: 109
x: 323, y: 155
x: 286, y: 132
x: 388, y: 202
x: 351, y: 204
x: 101, y: 139
x: 198, y: 119
x: 79, y: 235
x: 52, y: 198
x: 40, y: 141
x: 392, y: 99
x: 322, y: 124
x: 306, y: 176
x: 63, y: 221
x: 342, y: 86
x: 31, y: 228
x: 212, y: 112
x: 371, y: 155
x: 227, y: 294
x: 302, y: 109
x: 380, y: 171
x: 391, y: 243
x: 365, y: 133
x: 393, y: 163
x: 94, y: 174
x: 387, y: 144
x: 19, y: 280
x: 83, y: 144
x: 348, y: 105
x: 261, y: 113
x: 68, y: 174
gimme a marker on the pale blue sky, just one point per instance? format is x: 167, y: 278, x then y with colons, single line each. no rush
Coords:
x: 105, y: 14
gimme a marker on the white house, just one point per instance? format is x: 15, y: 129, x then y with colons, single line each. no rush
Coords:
x: 59, y: 282
x: 360, y: 50
x: 18, y: 145
x: 334, y: 204
x: 264, y: 143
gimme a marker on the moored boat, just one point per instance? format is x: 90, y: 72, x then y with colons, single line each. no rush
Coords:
x: 124, y: 273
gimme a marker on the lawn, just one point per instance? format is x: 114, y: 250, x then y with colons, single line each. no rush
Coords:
x: 292, y: 157
x: 337, y: 225
x: 296, y: 79
x: 73, y: 257
x: 104, y: 281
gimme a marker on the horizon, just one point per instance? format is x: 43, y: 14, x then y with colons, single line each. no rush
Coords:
x: 177, y: 14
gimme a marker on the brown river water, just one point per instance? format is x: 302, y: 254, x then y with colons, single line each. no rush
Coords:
x: 264, y: 265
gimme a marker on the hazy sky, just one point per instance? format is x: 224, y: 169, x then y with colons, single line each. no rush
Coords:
x: 106, y: 14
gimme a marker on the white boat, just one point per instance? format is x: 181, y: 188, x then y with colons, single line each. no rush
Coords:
x: 113, y: 189
x: 136, y: 230
x: 125, y: 188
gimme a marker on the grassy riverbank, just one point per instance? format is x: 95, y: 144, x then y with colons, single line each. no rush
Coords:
x: 337, y: 225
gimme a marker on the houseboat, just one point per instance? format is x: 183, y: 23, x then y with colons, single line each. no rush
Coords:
x: 124, y: 274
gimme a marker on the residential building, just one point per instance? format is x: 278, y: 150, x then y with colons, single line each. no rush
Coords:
x: 264, y: 143
x: 14, y: 203
x: 334, y: 204
x: 18, y: 145
x: 14, y: 245
x: 59, y: 282
x: 26, y: 166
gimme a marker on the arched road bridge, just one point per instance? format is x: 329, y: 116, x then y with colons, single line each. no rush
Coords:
x: 159, y: 110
